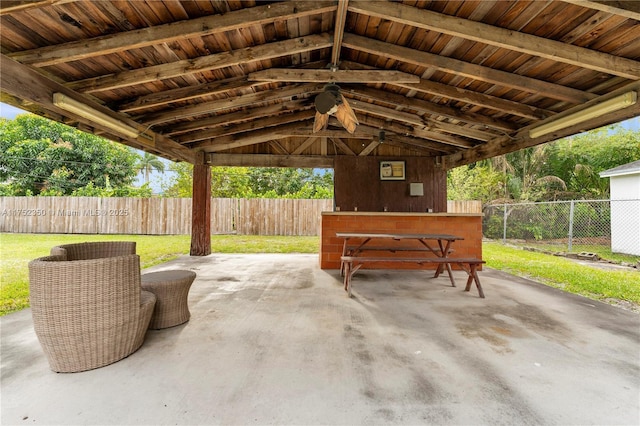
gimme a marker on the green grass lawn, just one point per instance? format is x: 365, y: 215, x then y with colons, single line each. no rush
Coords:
x: 563, y: 273
x: 16, y: 250
x: 603, y: 251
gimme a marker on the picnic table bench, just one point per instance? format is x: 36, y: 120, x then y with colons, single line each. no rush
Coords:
x: 353, y: 263
x: 352, y: 258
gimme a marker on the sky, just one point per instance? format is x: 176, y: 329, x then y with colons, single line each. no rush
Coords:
x: 8, y: 111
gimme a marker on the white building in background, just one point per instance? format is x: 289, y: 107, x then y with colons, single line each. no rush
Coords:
x: 625, y: 207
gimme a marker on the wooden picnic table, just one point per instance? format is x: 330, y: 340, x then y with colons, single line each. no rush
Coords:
x: 426, y: 241
x: 439, y: 245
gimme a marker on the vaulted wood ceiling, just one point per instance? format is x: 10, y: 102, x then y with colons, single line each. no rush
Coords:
x: 233, y: 82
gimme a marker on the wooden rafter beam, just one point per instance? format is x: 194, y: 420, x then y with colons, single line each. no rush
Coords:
x: 276, y: 146
x: 296, y: 90
x: 258, y: 123
x: 505, y: 145
x: 180, y: 94
x: 199, y: 27
x: 333, y: 76
x: 270, y: 160
x: 247, y: 138
x: 388, y: 113
x: 303, y: 129
x: 466, y: 69
x: 416, y: 145
x: 444, y: 138
x: 340, y: 144
x: 369, y: 128
x: 305, y: 145
x: 628, y: 8
x: 246, y: 114
x: 227, y: 87
x: 425, y: 107
x: 425, y: 138
x: 328, y: 133
x: 340, y: 20
x: 196, y: 137
x: 382, y: 123
x: 405, y: 142
x: 22, y: 82
x: 369, y: 148
x: 500, y: 37
x: 201, y: 64
x: 468, y: 96
x: 478, y: 99
x: 12, y: 6
x: 422, y: 128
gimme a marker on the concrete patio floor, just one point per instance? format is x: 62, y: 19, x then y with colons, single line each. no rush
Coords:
x: 273, y: 339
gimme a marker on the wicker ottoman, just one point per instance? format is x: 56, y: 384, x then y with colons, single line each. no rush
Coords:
x: 171, y: 289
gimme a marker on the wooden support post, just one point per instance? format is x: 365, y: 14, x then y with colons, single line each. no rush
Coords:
x: 201, y: 208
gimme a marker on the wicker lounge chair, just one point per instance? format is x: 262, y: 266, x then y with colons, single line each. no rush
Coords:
x: 88, y: 313
x: 94, y: 250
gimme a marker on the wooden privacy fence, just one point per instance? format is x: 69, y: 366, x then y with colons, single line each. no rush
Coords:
x: 466, y: 206
x: 95, y: 215
x: 165, y: 216
x: 264, y: 216
x: 158, y: 216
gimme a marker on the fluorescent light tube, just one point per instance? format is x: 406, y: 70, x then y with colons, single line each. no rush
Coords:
x: 610, y: 105
x: 68, y: 104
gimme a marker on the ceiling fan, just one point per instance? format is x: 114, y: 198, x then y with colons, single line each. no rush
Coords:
x: 332, y: 102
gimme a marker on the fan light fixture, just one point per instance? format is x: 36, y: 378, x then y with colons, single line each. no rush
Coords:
x: 332, y: 102
x: 614, y: 104
x: 68, y: 104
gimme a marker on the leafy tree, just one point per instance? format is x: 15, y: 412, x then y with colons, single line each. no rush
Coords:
x: 478, y: 182
x: 181, y: 183
x: 39, y: 156
x: 148, y: 163
x: 244, y: 182
x: 230, y: 182
x: 280, y: 181
x: 275, y: 182
x: 565, y: 169
x: 528, y: 181
x: 578, y: 160
x: 226, y: 182
x: 125, y: 191
x: 502, y: 165
x: 514, y: 177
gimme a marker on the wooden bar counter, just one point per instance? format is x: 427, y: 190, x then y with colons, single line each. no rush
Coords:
x: 466, y: 225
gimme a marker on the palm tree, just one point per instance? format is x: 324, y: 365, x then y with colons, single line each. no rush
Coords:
x: 149, y: 163
x: 523, y: 177
x: 502, y: 165
x: 529, y: 183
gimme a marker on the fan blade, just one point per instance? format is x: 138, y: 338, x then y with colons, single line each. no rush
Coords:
x: 348, y: 121
x: 346, y: 116
x: 320, y: 122
x: 348, y: 107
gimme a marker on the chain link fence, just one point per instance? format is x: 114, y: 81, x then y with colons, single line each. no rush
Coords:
x: 574, y: 226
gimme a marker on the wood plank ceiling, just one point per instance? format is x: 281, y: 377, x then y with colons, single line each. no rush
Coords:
x: 229, y: 82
